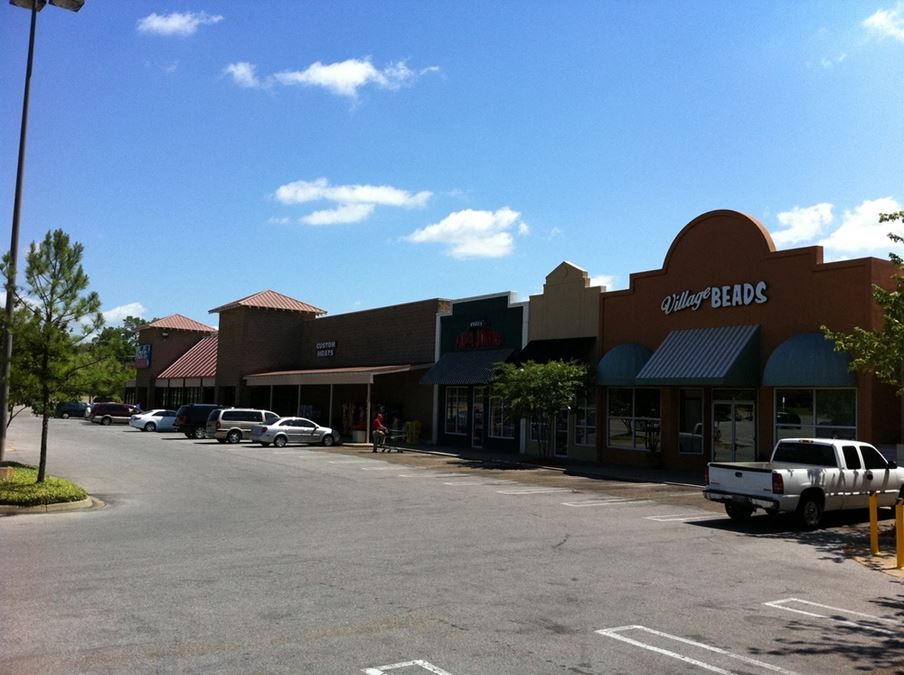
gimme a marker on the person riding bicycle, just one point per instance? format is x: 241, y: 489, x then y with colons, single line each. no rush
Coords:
x: 379, y: 432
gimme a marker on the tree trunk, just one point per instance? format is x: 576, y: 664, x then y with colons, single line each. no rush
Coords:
x: 45, y: 415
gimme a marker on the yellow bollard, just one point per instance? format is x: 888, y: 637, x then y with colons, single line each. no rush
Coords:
x: 874, y: 523
x: 899, y: 531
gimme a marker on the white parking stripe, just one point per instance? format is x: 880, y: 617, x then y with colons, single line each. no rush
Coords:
x: 836, y: 614
x: 607, y: 502
x: 615, y: 633
x: 432, y: 475
x: 429, y: 667
x: 680, y: 517
x: 532, y: 491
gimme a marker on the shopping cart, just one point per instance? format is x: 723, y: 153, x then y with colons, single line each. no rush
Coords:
x: 390, y: 441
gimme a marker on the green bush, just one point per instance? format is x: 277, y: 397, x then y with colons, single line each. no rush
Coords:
x: 22, y: 490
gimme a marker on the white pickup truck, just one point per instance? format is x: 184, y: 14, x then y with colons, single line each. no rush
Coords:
x: 806, y: 476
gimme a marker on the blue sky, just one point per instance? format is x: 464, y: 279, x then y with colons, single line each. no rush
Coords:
x: 361, y: 154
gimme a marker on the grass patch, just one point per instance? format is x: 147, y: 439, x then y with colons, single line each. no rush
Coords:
x: 22, y: 490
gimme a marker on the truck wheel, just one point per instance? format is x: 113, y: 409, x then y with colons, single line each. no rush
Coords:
x: 738, y: 512
x: 199, y: 433
x: 809, y: 511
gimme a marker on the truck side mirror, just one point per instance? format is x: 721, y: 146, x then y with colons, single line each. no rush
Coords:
x: 892, y: 464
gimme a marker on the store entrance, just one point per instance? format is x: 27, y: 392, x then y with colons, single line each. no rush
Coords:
x: 477, y: 417
x: 734, y: 426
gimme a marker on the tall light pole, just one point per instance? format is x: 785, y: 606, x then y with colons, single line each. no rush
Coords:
x: 6, y: 355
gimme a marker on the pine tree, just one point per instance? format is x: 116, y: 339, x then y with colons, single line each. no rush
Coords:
x: 62, y: 315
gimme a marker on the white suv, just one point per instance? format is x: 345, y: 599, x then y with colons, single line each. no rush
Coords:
x: 231, y: 425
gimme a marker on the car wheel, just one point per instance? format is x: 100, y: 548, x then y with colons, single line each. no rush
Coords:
x: 328, y: 440
x: 279, y: 441
x: 739, y: 512
x: 199, y: 433
x: 234, y: 436
x: 150, y: 426
x: 106, y: 421
x: 809, y: 511
x: 65, y: 415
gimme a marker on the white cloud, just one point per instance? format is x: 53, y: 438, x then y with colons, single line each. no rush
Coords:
x: 887, y: 22
x: 117, y: 314
x: 243, y: 74
x: 607, y: 281
x: 348, y: 213
x: 473, y: 234
x: 829, y: 63
x: 802, y: 224
x: 355, y: 202
x: 177, y: 23
x: 343, y: 78
x: 281, y: 220
x: 861, y: 233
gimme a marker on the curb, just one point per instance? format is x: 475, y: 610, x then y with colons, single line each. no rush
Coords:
x: 88, y: 503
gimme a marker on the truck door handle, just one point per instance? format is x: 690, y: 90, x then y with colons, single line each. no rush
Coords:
x: 868, y: 475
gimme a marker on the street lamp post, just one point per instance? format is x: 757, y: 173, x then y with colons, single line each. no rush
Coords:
x: 35, y: 6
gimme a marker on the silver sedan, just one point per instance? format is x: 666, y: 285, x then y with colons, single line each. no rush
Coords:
x: 293, y: 430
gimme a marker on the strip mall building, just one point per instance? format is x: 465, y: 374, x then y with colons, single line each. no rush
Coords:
x: 715, y: 355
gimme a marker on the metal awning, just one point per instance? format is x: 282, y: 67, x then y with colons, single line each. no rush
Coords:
x: 560, y: 349
x: 462, y: 368
x: 351, y: 375
x: 620, y: 365
x: 808, y: 360
x: 724, y: 356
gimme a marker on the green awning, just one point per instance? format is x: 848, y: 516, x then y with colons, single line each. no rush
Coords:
x: 808, y: 360
x: 725, y: 356
x: 463, y: 368
x: 620, y: 365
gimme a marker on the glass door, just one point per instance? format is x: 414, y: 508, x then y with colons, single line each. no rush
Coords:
x: 734, y: 431
x: 477, y: 417
x: 560, y: 438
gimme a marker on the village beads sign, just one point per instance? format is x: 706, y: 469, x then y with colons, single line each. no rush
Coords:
x: 735, y: 295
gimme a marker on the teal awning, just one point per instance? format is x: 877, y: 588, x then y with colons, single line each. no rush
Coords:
x: 462, y: 368
x: 808, y: 360
x: 727, y: 356
x: 620, y: 365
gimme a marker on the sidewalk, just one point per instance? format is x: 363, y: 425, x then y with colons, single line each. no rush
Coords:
x: 563, y: 464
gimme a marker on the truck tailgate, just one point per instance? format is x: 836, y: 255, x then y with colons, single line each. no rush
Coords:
x: 745, y: 478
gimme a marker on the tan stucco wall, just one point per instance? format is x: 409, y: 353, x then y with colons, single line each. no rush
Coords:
x: 569, y: 306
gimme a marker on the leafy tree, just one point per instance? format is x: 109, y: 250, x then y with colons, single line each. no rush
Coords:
x: 880, y: 352
x: 24, y: 384
x: 540, y: 390
x: 61, y: 316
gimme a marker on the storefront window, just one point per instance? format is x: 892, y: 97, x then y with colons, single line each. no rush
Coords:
x: 819, y: 413
x: 585, y: 420
x: 690, y: 425
x: 634, y: 418
x: 456, y: 410
x: 502, y: 425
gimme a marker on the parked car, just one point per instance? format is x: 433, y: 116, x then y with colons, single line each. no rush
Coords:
x: 72, y: 409
x: 154, y: 420
x: 293, y: 430
x: 191, y: 419
x: 231, y: 425
x: 110, y: 413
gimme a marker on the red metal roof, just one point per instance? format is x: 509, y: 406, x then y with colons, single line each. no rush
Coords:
x: 199, y: 361
x: 270, y: 300
x: 178, y: 322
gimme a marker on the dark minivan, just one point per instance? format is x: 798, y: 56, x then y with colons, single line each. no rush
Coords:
x: 109, y: 413
x: 191, y: 419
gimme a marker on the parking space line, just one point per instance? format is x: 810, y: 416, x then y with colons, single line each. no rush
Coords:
x: 426, y: 665
x: 615, y: 501
x: 349, y: 461
x: 432, y: 475
x: 834, y: 616
x: 532, y: 491
x: 615, y: 633
x: 680, y: 518
x: 378, y: 468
